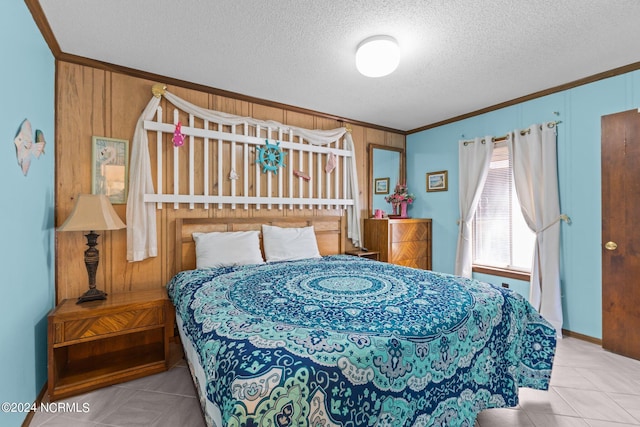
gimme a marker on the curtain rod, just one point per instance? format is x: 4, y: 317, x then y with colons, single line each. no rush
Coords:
x: 497, y: 139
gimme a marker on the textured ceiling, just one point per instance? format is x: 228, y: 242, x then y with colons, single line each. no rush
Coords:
x: 458, y: 56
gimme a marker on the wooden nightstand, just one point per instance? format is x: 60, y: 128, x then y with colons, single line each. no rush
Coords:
x: 100, y: 343
x: 375, y: 255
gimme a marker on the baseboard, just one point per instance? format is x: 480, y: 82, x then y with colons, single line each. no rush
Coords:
x: 567, y: 333
x: 30, y: 414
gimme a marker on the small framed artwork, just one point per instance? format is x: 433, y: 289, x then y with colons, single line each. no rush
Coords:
x: 381, y: 185
x: 109, y: 168
x: 437, y: 181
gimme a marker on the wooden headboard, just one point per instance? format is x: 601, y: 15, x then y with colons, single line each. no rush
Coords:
x: 330, y: 233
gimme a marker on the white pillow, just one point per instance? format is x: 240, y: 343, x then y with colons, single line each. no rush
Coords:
x: 224, y: 249
x: 289, y: 244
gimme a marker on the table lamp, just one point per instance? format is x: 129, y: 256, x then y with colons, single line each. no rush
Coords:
x: 92, y: 212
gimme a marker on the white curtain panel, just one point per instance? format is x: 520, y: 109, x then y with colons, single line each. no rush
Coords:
x: 474, y: 159
x: 535, y: 170
x: 141, y: 217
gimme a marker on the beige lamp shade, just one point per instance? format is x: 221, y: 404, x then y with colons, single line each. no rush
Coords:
x: 92, y: 212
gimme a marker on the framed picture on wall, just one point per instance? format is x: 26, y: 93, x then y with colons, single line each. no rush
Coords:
x: 109, y: 168
x: 381, y: 185
x: 437, y: 181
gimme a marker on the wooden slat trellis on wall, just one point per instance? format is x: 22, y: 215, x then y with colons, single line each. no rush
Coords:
x: 210, y: 145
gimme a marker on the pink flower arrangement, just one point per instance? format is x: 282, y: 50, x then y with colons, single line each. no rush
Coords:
x: 400, y: 194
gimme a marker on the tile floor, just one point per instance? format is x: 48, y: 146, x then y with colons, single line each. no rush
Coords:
x: 589, y: 388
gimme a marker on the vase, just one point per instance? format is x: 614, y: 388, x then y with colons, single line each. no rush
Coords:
x: 395, y: 209
x: 403, y: 209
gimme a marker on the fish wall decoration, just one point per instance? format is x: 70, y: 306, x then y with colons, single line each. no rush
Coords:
x: 25, y: 147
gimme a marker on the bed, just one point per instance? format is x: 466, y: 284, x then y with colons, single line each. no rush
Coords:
x: 338, y: 340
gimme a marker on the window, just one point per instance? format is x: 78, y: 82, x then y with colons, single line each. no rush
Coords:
x: 501, y: 238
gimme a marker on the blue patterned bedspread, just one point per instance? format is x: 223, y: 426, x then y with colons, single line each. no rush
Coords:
x: 344, y: 341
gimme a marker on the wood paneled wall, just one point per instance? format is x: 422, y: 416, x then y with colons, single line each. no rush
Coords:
x: 94, y: 102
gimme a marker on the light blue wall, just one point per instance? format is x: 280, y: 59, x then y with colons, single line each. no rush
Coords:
x: 26, y: 230
x: 580, y: 110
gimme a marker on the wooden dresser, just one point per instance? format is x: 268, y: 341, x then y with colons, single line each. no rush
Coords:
x: 400, y: 241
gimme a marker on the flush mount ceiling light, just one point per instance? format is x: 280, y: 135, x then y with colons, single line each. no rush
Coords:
x: 377, y: 56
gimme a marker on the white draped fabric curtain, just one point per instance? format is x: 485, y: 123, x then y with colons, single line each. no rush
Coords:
x: 141, y: 216
x: 474, y: 158
x: 535, y: 170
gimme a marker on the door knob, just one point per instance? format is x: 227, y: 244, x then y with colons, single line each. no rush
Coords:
x: 611, y: 246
